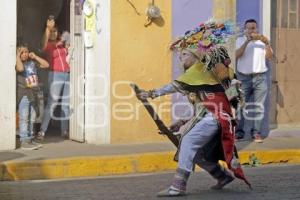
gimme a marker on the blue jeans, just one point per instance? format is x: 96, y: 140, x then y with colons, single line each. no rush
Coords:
x: 255, y: 87
x: 27, y: 117
x: 58, y: 83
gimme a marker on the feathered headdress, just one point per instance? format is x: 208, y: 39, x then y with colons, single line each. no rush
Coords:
x: 207, y: 40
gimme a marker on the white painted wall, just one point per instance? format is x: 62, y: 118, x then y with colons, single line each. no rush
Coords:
x: 7, y: 75
x: 97, y: 80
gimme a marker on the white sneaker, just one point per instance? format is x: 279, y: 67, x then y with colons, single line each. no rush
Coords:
x: 171, y: 192
x: 29, y: 145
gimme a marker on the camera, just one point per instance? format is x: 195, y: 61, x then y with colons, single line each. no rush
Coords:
x: 51, y: 17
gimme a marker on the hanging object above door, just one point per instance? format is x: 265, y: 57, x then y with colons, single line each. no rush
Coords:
x: 88, y: 8
x: 153, y: 12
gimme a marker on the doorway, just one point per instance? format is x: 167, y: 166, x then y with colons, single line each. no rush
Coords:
x: 31, y: 20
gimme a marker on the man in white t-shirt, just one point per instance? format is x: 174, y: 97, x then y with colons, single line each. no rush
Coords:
x: 252, y: 50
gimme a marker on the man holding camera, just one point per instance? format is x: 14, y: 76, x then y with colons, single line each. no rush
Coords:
x: 252, y: 50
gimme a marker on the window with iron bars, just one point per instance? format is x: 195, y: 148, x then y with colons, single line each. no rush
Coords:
x: 289, y: 14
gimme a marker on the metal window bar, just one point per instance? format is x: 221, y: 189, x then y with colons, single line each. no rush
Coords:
x: 292, y: 14
x: 289, y: 14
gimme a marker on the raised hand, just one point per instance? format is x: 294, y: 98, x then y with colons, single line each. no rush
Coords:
x: 264, y: 39
x: 19, y: 52
x: 32, y: 55
x: 260, y: 37
x: 50, y: 23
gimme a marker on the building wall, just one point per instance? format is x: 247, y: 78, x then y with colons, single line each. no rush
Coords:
x: 140, y: 55
x: 226, y: 9
x: 248, y: 9
x: 97, y: 74
x: 186, y: 15
x: 8, y: 74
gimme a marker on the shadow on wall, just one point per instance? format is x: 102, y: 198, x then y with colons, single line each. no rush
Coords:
x: 159, y: 21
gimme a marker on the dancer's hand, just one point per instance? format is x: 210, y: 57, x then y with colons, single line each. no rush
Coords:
x: 143, y: 94
x: 176, y: 126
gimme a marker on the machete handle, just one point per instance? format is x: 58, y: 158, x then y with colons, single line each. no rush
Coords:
x: 136, y: 89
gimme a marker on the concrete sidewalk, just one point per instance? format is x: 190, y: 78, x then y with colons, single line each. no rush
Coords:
x: 65, y: 159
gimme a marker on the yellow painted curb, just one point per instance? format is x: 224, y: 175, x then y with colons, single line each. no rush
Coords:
x: 116, y: 165
x: 87, y: 166
x: 273, y: 156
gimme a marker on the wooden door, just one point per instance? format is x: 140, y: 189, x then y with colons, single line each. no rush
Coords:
x: 285, y: 99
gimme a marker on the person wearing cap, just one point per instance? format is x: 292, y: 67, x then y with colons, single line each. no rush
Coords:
x: 208, y: 136
x: 56, y: 53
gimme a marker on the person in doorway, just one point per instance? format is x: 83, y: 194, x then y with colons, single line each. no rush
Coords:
x: 56, y: 52
x: 208, y: 136
x: 27, y: 91
x: 252, y: 50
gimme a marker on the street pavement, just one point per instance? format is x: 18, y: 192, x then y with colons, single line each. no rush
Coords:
x: 270, y: 182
